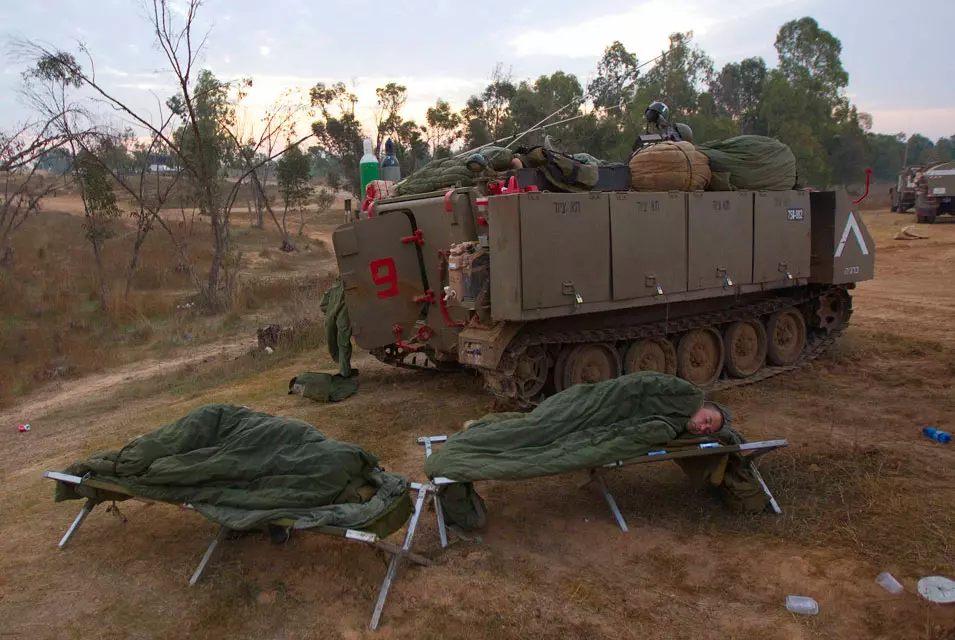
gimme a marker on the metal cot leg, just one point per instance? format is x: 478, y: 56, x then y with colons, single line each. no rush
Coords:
x: 612, y: 503
x: 442, y: 527
x: 395, y: 559
x: 438, y: 509
x: 80, y: 517
x: 762, y: 483
x: 220, y: 536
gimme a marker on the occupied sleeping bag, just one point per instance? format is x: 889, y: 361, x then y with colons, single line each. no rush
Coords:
x: 583, y: 427
x: 241, y: 468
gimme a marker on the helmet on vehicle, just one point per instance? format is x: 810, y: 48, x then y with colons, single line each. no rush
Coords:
x: 686, y: 133
x: 657, y: 111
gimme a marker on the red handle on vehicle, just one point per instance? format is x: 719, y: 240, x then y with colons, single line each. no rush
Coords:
x: 868, y: 177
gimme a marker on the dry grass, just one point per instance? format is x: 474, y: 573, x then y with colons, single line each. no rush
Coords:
x: 54, y: 329
x: 862, y: 492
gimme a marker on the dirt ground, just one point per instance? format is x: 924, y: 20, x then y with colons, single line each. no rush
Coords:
x: 861, y: 490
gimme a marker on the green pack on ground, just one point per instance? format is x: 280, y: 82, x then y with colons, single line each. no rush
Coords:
x: 584, y: 427
x: 241, y: 469
x: 324, y: 387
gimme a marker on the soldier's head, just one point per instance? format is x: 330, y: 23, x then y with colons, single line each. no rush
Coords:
x: 708, y: 419
x: 686, y: 133
x: 657, y: 112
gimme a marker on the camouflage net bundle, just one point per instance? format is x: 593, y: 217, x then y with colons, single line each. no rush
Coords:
x: 752, y: 162
x: 669, y: 166
x: 454, y: 172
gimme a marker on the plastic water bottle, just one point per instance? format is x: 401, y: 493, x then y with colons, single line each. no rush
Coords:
x: 368, y: 166
x: 936, y: 435
x: 888, y: 582
x: 802, y: 604
x: 390, y: 170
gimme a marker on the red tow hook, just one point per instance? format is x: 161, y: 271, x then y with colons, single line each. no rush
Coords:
x: 868, y: 177
x: 417, y: 238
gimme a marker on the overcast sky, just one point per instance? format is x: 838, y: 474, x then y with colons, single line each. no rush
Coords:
x: 447, y: 49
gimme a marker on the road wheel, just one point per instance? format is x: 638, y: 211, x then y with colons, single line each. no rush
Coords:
x: 651, y: 354
x: 699, y: 358
x: 531, y: 372
x: 745, y: 343
x: 588, y: 363
x: 787, y: 337
x: 560, y: 365
x: 831, y: 311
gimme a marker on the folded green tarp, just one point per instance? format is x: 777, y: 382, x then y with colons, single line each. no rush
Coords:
x: 583, y: 427
x: 241, y: 469
x: 752, y: 162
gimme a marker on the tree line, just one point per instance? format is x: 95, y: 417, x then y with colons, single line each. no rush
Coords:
x: 197, y: 154
x: 201, y: 140
x: 801, y: 101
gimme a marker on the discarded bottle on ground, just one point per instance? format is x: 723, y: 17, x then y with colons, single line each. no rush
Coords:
x: 936, y: 435
x: 802, y: 604
x: 888, y: 582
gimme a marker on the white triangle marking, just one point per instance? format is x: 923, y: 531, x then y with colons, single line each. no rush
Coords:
x: 853, y: 226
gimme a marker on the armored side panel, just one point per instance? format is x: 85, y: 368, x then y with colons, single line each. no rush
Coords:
x: 941, y: 180
x: 940, y: 183
x: 443, y: 220
x: 565, y: 247
x: 648, y: 239
x: 381, y: 277
x: 842, y: 249
x: 504, y: 240
x: 781, y: 236
x: 719, y: 240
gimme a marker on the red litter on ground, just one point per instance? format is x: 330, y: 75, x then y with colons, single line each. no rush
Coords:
x: 23, y: 428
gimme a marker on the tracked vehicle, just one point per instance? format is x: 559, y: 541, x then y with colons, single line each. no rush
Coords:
x: 539, y: 291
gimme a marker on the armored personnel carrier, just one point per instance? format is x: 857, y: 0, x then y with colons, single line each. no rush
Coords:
x: 539, y: 291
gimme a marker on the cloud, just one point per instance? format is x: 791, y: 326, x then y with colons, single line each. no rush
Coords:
x: 932, y: 123
x: 265, y: 50
x: 644, y: 29
x: 177, y: 8
x: 110, y: 71
x: 146, y: 86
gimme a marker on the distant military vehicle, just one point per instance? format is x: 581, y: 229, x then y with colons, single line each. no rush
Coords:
x: 903, y: 192
x: 539, y: 291
x: 936, y: 193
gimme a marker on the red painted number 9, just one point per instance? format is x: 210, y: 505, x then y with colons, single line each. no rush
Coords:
x: 383, y: 272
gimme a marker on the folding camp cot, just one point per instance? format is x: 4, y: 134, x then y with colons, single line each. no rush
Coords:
x: 90, y: 487
x: 749, y: 450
